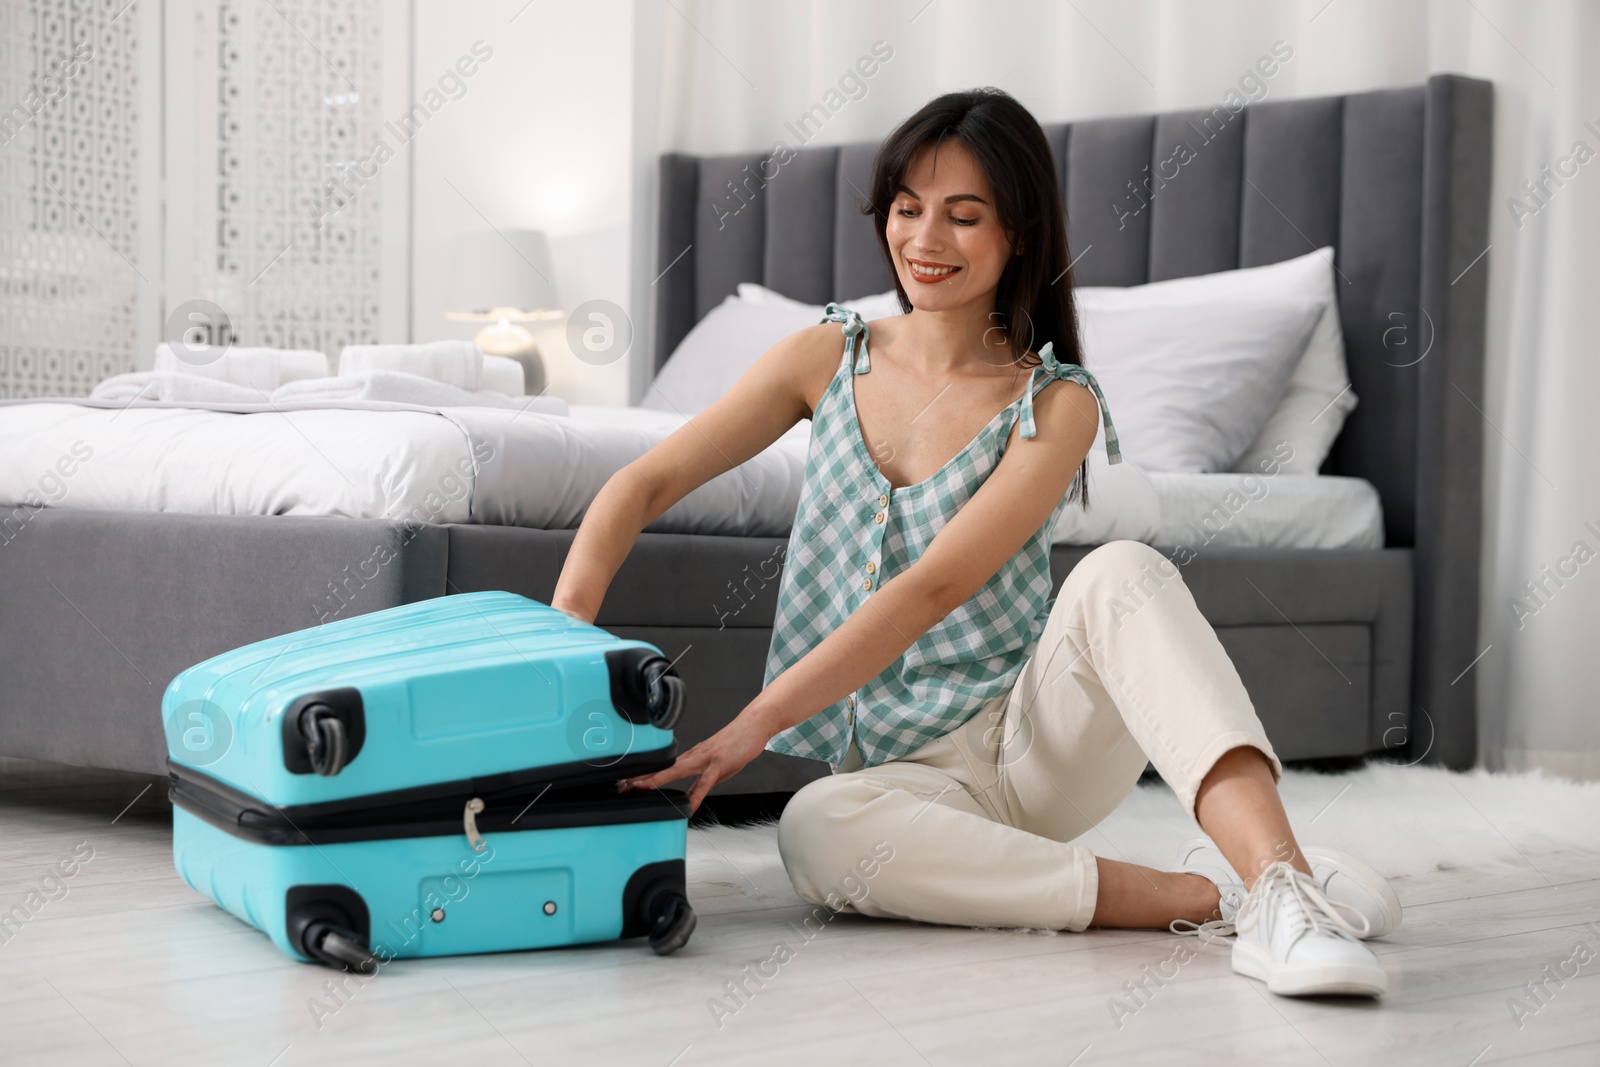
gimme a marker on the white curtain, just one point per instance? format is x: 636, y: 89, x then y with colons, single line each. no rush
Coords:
x: 737, y: 75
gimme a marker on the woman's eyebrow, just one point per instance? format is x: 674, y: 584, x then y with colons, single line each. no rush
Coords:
x: 952, y: 199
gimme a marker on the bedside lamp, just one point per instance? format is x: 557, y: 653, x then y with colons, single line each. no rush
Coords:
x: 505, y: 278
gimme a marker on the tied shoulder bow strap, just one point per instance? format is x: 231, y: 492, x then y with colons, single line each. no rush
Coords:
x: 855, y: 333
x: 1052, y: 367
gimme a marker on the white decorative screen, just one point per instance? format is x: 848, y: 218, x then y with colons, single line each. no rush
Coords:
x: 70, y: 133
x: 288, y: 105
x: 157, y: 152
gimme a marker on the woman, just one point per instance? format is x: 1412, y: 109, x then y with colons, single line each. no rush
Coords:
x: 975, y: 725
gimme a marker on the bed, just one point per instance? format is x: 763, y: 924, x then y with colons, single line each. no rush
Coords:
x: 1355, y: 637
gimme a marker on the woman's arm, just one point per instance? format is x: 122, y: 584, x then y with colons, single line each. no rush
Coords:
x: 1009, y: 508
x: 767, y: 399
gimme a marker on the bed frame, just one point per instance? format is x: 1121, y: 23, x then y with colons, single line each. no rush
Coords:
x: 1345, y: 653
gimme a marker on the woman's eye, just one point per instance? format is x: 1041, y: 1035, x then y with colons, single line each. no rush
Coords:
x: 911, y: 213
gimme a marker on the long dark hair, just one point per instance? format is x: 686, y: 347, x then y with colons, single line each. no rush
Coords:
x: 1033, y: 300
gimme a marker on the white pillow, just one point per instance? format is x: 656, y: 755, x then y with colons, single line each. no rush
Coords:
x: 880, y: 306
x: 720, y: 348
x: 732, y: 336
x: 1318, y: 398
x: 1123, y: 504
x: 1190, y: 385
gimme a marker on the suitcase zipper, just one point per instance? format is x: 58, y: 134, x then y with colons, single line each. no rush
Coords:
x: 552, y: 807
x: 469, y: 822
x: 494, y: 788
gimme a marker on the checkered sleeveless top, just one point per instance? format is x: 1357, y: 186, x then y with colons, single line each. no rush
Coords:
x: 853, y: 532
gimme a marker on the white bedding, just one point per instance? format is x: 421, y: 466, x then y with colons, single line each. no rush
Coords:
x: 489, y: 465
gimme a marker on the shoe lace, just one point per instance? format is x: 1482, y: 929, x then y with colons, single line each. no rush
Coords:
x: 1315, y: 912
x: 1209, y: 931
x: 1214, y: 929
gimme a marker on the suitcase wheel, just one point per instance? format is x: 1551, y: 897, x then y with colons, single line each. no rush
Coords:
x: 644, y: 687
x: 664, y: 706
x: 327, y: 743
x: 675, y: 921
x: 338, y: 947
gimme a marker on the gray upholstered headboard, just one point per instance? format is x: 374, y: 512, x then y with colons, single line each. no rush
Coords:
x: 1396, y: 180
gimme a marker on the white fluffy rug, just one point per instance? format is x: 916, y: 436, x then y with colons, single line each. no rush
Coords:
x: 1401, y: 820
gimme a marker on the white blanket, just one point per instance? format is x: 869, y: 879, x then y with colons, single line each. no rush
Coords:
x: 499, y: 465
x: 360, y: 460
x: 178, y: 387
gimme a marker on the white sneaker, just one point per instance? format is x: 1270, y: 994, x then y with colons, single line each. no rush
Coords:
x: 1342, y: 878
x: 1296, y: 941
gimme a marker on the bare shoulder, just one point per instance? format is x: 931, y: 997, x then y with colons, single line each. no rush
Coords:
x: 1066, y: 411
x: 823, y: 342
x: 808, y: 359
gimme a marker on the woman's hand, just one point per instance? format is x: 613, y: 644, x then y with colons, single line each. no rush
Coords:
x: 716, y: 759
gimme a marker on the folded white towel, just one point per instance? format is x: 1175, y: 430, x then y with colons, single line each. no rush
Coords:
x: 401, y: 388
x: 173, y: 386
x: 392, y: 387
x: 457, y: 363
x: 501, y: 374
x: 263, y: 368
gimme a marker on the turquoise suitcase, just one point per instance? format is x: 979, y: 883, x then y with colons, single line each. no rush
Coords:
x: 433, y: 779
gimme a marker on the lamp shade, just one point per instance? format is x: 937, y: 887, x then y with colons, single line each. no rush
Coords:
x: 501, y: 271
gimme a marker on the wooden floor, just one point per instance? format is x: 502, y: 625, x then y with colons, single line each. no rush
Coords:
x: 128, y: 966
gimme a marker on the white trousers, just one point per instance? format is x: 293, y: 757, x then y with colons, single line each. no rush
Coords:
x: 973, y: 828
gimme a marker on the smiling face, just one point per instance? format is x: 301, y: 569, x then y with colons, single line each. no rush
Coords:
x: 948, y: 246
